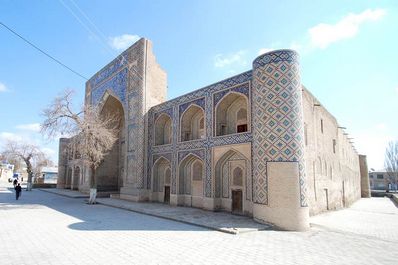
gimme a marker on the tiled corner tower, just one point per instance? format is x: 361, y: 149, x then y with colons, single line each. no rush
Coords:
x: 279, y: 184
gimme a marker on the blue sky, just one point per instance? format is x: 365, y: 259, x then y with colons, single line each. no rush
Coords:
x: 348, y: 54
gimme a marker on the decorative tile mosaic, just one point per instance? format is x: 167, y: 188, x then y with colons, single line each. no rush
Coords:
x: 242, y: 88
x: 204, y: 99
x: 277, y: 118
x: 200, y: 153
x: 117, y: 84
x: 199, y: 102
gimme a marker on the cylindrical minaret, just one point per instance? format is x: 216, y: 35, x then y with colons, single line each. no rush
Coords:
x: 279, y: 183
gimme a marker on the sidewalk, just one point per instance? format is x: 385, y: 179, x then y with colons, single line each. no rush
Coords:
x: 67, y: 193
x: 219, y: 221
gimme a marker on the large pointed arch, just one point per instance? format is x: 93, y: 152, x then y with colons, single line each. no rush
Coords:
x: 108, y: 174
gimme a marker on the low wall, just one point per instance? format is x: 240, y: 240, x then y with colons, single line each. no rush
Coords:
x: 394, y: 197
x: 44, y: 185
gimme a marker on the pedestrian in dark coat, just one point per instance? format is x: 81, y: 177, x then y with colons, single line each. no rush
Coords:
x: 15, y: 182
x: 18, y: 191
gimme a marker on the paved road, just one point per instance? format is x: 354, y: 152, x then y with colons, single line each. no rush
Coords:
x: 43, y: 228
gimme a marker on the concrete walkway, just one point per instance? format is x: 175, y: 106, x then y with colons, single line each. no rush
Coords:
x: 219, y: 221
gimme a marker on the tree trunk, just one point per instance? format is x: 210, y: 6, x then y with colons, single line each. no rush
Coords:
x: 30, y: 174
x: 29, y: 183
x: 93, y: 186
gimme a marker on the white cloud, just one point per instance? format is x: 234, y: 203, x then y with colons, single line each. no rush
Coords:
x: 7, y: 136
x: 122, y: 42
x: 396, y: 89
x: 322, y: 35
x: 238, y: 58
x: 3, y: 87
x: 264, y: 50
x: 34, y: 127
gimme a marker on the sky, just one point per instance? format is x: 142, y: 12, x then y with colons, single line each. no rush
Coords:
x: 348, y: 51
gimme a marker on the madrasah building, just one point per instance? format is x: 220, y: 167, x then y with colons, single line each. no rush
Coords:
x: 257, y: 144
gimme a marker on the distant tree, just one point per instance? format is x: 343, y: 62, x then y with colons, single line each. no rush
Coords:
x: 93, y: 134
x: 391, y: 162
x: 30, y: 154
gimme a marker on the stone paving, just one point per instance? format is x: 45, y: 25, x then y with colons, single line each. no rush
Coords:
x: 44, y: 228
x: 220, y: 221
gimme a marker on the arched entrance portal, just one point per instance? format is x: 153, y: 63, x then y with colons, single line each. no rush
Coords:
x: 109, y: 173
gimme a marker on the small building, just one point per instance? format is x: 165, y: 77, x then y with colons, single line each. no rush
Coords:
x: 6, y: 170
x: 49, y: 175
x: 381, y: 180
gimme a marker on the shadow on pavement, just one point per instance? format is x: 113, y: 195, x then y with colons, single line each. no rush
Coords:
x: 90, y: 217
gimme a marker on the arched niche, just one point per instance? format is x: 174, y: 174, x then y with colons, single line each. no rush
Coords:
x: 190, y: 180
x: 232, y: 114
x: 230, y: 181
x: 192, y: 125
x: 161, y: 180
x: 109, y: 172
x: 163, y: 130
x: 68, y: 179
x: 76, y: 178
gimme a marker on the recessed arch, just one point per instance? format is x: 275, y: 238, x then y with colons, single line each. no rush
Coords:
x: 223, y: 170
x: 109, y: 176
x: 190, y: 178
x: 163, y: 129
x: 231, y: 172
x: 232, y: 114
x: 76, y: 178
x: 192, y: 123
x: 161, y: 176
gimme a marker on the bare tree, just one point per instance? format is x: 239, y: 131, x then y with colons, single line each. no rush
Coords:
x: 391, y: 162
x: 30, y: 154
x: 94, y: 133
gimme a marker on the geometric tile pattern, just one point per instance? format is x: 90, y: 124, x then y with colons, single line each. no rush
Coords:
x: 243, y: 89
x: 276, y: 133
x: 201, y: 147
x: 277, y: 118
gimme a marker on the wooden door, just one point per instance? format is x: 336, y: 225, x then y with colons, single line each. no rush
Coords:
x: 166, y: 194
x: 237, y: 201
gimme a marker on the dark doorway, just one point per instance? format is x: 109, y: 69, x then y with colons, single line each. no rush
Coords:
x: 166, y: 194
x: 242, y: 128
x: 237, y: 201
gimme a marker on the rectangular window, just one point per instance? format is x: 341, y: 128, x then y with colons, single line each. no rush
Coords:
x: 379, y: 176
x: 334, y: 146
x: 321, y: 126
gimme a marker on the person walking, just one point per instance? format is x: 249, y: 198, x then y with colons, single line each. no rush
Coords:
x: 15, y: 182
x: 18, y: 190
